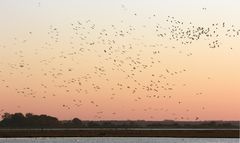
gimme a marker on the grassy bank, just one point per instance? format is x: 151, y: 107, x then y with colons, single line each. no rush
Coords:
x: 13, y: 133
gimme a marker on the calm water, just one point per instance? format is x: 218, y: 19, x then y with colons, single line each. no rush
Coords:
x: 119, y: 140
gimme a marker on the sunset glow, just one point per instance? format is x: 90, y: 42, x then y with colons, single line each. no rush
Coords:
x: 121, y: 59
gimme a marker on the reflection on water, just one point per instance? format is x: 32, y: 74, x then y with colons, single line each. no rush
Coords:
x: 119, y: 140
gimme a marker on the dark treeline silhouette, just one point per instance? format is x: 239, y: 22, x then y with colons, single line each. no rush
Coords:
x: 18, y: 120
x: 29, y: 120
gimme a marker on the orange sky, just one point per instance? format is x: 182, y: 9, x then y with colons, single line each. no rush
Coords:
x: 120, y: 59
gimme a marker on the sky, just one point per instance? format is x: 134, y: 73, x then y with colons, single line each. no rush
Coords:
x: 121, y: 59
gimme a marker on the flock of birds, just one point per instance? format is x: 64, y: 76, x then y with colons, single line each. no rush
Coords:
x: 112, y: 61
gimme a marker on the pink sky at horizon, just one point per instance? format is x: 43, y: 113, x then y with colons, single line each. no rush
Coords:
x: 106, y: 61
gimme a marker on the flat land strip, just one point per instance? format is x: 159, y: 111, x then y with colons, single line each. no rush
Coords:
x: 20, y: 133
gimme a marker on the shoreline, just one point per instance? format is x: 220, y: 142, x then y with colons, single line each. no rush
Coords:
x: 195, y: 133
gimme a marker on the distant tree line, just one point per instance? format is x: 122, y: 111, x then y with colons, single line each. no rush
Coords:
x: 29, y: 120
x: 18, y: 120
